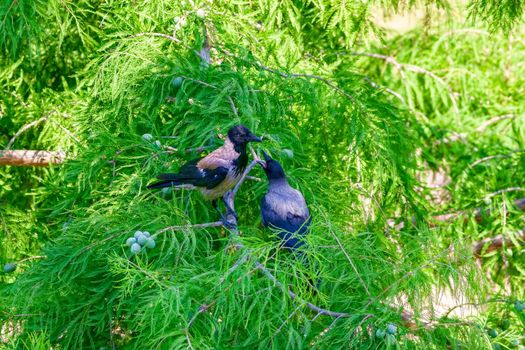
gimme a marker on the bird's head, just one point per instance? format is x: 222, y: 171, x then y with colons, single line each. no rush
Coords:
x: 240, y: 135
x: 272, y: 168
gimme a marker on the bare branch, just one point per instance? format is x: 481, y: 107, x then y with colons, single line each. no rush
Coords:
x: 185, y: 227
x: 505, y: 190
x: 493, y: 120
x: 31, y: 158
x: 351, y: 263
x: 416, y: 69
x: 484, y: 159
x: 293, y: 75
x: 234, y: 109
x: 495, y: 243
x: 161, y: 35
x: 28, y: 126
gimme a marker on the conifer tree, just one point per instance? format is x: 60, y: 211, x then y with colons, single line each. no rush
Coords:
x: 408, y: 149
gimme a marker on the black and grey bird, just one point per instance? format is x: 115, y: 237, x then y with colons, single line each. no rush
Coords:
x: 283, y: 207
x: 217, y: 172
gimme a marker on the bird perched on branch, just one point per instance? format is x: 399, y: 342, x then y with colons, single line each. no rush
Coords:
x: 283, y: 207
x: 217, y: 172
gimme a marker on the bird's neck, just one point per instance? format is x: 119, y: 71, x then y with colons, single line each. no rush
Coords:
x: 241, y: 159
x: 237, y: 147
x: 276, y: 183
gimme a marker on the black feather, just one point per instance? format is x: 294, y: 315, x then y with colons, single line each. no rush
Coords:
x: 190, y: 174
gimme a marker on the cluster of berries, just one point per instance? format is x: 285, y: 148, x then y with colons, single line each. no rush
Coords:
x: 139, y: 241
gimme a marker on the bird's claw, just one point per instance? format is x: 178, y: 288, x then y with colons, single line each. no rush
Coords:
x: 233, y: 213
x: 228, y: 224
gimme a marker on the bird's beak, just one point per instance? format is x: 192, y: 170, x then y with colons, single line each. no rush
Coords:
x: 266, y: 156
x: 253, y: 138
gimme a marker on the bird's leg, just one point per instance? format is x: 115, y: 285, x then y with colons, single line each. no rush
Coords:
x: 229, y: 209
x: 224, y: 220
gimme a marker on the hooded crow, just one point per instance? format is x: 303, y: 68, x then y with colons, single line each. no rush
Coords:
x: 283, y: 207
x: 217, y: 172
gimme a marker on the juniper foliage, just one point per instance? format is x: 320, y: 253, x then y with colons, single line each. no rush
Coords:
x: 352, y: 129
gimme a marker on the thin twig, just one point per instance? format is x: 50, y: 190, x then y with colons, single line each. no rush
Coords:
x: 416, y: 69
x: 496, y: 156
x: 234, y: 109
x: 496, y: 242
x: 473, y: 304
x: 161, y: 35
x: 287, y: 319
x: 293, y: 75
x: 185, y: 227
x: 493, y: 120
x: 505, y: 190
x: 351, y: 262
x: 36, y: 257
x: 28, y: 126
x: 408, y: 274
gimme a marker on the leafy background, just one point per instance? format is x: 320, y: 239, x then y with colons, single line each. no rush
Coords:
x: 423, y: 121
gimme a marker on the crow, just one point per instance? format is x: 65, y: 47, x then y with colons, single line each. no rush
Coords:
x: 217, y: 172
x: 284, y: 209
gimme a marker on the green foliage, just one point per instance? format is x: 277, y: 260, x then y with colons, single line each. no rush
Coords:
x: 102, y: 75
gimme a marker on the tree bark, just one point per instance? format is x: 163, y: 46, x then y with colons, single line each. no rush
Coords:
x: 31, y: 158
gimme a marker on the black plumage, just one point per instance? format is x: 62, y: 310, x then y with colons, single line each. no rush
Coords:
x: 217, y: 172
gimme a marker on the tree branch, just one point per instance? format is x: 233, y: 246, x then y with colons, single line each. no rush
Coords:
x: 28, y: 126
x: 495, y: 243
x: 229, y: 197
x: 31, y: 158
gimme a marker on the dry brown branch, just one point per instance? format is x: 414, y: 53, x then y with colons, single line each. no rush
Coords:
x: 488, y: 245
x: 31, y: 158
x: 479, y: 213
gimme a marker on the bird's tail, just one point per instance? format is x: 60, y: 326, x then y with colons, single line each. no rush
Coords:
x: 168, y: 180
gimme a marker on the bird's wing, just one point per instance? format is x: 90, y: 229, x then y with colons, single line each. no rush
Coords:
x: 287, y: 212
x: 191, y: 174
x: 220, y: 157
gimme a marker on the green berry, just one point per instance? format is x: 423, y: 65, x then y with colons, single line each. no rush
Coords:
x: 177, y: 82
x: 147, y: 137
x: 142, y: 240
x: 135, y: 248
x: 496, y: 346
x: 492, y: 333
x: 391, y: 328
x: 8, y: 268
x: 519, y: 306
x: 505, y: 324
x: 130, y: 241
x: 287, y: 152
x: 380, y: 333
x: 150, y: 244
x: 515, y: 342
